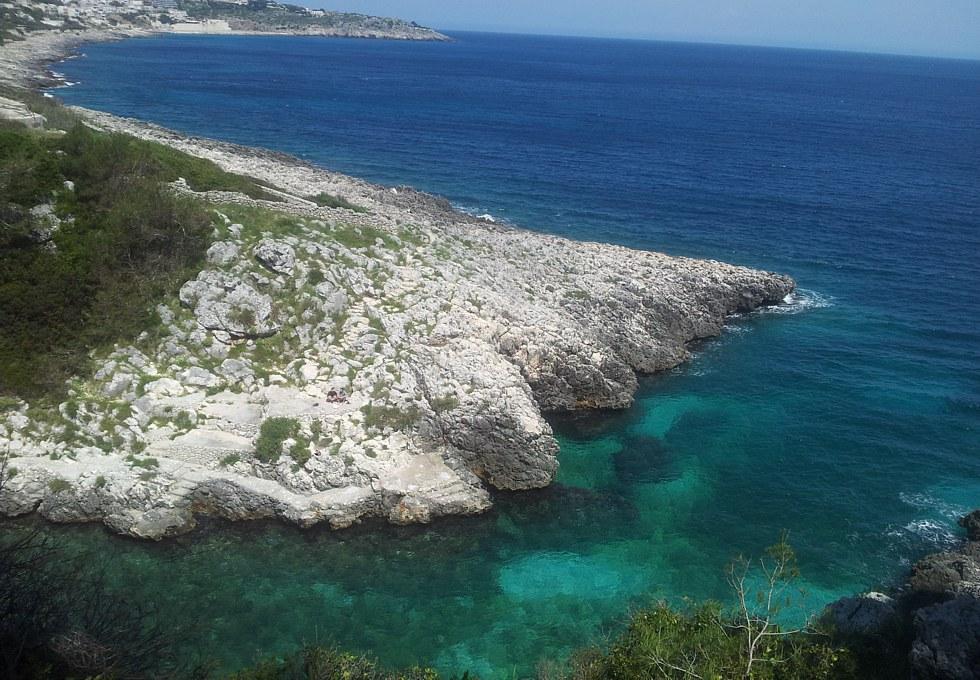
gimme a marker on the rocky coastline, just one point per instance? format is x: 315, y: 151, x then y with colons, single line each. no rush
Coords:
x: 408, y: 350
x: 932, y: 619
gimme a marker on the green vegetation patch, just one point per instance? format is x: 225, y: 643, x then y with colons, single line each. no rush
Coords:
x: 58, y: 485
x: 361, y: 236
x: 325, y: 200
x: 444, y: 403
x: 124, y: 243
x: 272, y: 434
x: 380, y: 417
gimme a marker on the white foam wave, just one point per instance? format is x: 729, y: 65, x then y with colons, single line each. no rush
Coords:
x: 932, y: 532
x: 926, y: 501
x: 800, y: 300
x: 479, y: 214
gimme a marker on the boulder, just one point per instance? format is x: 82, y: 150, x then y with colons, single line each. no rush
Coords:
x: 199, y: 377
x: 163, y: 387
x: 235, y: 370
x: 335, y: 300
x: 223, y: 252
x: 868, y: 614
x: 947, y: 641
x: 224, y: 303
x: 971, y: 523
x: 275, y: 256
x: 946, y: 573
x: 117, y: 385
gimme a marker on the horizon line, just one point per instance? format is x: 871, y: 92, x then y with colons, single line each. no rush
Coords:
x: 717, y: 43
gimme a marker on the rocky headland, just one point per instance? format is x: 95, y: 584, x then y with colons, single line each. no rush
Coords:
x: 22, y: 18
x: 352, y: 351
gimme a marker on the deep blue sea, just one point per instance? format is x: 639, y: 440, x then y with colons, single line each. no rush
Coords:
x: 850, y: 418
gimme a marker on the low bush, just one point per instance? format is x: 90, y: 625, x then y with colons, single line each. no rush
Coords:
x: 58, y: 485
x: 325, y: 200
x: 272, y: 434
x: 381, y: 417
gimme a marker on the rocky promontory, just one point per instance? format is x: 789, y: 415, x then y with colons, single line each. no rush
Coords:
x: 349, y: 351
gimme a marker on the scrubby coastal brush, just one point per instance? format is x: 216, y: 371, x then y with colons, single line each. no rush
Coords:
x: 90, y: 238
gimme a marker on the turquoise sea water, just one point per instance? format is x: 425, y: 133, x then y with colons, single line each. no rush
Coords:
x: 849, y: 418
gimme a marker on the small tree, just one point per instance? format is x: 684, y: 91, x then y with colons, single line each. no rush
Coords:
x: 758, y: 608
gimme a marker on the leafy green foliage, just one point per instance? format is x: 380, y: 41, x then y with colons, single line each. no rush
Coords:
x: 143, y: 463
x: 230, y: 459
x: 446, y: 402
x: 203, y: 175
x: 709, y: 641
x: 361, y: 236
x: 665, y: 643
x: 272, y: 434
x: 125, y: 242
x: 301, y: 451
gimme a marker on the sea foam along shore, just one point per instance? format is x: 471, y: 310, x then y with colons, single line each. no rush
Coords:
x: 413, y: 349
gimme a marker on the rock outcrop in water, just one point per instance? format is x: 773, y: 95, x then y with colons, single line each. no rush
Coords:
x: 934, y: 619
x: 391, y: 360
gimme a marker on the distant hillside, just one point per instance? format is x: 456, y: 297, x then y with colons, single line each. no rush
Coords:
x: 265, y: 15
x: 19, y: 18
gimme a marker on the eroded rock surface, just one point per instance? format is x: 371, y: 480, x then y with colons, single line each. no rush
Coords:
x: 411, y: 350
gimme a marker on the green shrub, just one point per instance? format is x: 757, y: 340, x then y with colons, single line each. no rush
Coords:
x: 300, y: 451
x: 361, y: 236
x: 230, y: 459
x: 183, y: 421
x: 444, y: 403
x: 709, y: 641
x: 272, y: 434
x: 380, y: 417
x: 325, y: 200
x: 58, y: 485
x: 315, y: 276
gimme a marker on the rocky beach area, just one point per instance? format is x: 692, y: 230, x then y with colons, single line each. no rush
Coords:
x: 351, y: 351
